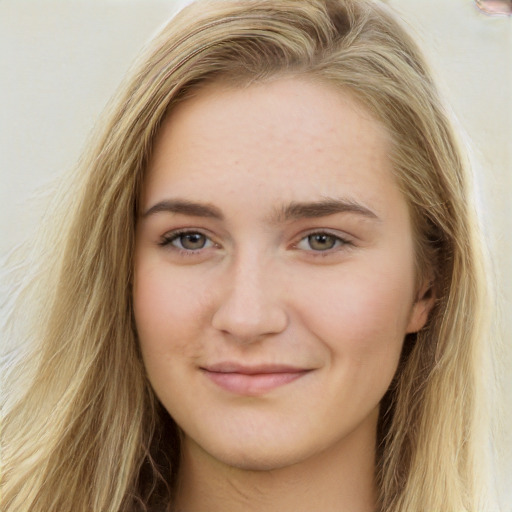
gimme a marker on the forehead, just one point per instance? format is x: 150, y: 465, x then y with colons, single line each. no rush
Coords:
x: 291, y: 139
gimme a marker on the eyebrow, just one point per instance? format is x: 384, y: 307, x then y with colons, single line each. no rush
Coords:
x: 322, y: 208
x: 185, y: 207
x: 292, y: 211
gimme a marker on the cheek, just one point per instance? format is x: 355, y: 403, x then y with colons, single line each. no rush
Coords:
x: 167, y: 319
x: 362, y: 317
x: 169, y: 324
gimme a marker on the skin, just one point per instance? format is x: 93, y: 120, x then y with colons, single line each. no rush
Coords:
x: 328, y: 291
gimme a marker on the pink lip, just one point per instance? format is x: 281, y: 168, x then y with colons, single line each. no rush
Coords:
x: 252, y: 380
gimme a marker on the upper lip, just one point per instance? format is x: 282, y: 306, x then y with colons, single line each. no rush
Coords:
x: 232, y: 367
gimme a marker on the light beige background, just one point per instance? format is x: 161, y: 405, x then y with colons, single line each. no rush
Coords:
x: 61, y: 60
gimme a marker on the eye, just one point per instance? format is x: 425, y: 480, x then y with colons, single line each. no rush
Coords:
x: 187, y: 240
x: 321, y: 242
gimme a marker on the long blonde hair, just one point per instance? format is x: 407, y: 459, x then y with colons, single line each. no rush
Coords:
x: 85, y: 431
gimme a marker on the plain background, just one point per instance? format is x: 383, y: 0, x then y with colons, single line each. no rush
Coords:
x: 61, y: 60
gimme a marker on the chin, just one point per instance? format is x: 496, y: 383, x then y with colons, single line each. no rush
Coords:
x: 260, y: 454
x: 247, y: 461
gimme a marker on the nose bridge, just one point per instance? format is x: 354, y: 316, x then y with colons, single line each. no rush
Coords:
x: 251, y: 305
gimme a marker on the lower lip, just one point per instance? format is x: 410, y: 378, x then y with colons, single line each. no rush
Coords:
x: 255, y: 384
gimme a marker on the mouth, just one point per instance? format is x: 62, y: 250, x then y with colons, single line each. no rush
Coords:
x: 252, y: 380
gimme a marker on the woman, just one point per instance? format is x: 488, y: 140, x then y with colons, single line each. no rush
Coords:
x: 266, y: 292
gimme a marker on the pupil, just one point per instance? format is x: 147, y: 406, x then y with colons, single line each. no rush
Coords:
x: 321, y: 242
x: 193, y: 241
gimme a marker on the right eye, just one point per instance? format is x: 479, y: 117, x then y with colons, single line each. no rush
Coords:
x: 187, y: 241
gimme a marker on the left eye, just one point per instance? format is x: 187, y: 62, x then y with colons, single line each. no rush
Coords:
x: 189, y: 241
x: 320, y: 242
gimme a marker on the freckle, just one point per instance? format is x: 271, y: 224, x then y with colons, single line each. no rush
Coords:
x: 495, y: 7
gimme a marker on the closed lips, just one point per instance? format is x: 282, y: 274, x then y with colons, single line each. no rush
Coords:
x: 251, y: 370
x: 252, y: 380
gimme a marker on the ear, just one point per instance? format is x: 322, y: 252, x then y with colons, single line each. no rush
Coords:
x: 421, y: 308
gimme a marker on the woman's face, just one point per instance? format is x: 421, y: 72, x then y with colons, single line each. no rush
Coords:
x: 274, y: 272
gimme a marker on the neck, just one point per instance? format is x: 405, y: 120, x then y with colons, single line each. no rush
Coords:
x: 339, y: 479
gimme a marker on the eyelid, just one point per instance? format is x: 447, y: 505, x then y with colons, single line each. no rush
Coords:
x: 170, y: 236
x: 343, y: 241
x: 346, y: 241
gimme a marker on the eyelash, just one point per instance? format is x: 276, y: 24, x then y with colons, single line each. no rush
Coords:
x: 339, y: 241
x: 168, y: 239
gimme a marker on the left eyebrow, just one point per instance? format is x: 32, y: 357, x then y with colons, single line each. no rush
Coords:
x: 323, y: 208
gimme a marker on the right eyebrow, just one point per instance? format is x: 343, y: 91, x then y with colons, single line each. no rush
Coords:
x: 185, y: 208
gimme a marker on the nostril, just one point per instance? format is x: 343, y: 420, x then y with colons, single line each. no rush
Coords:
x: 495, y: 7
x: 247, y: 318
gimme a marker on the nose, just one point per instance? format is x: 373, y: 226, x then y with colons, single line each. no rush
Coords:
x: 250, y: 305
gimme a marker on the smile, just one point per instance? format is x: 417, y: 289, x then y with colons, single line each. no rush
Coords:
x: 252, y: 381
